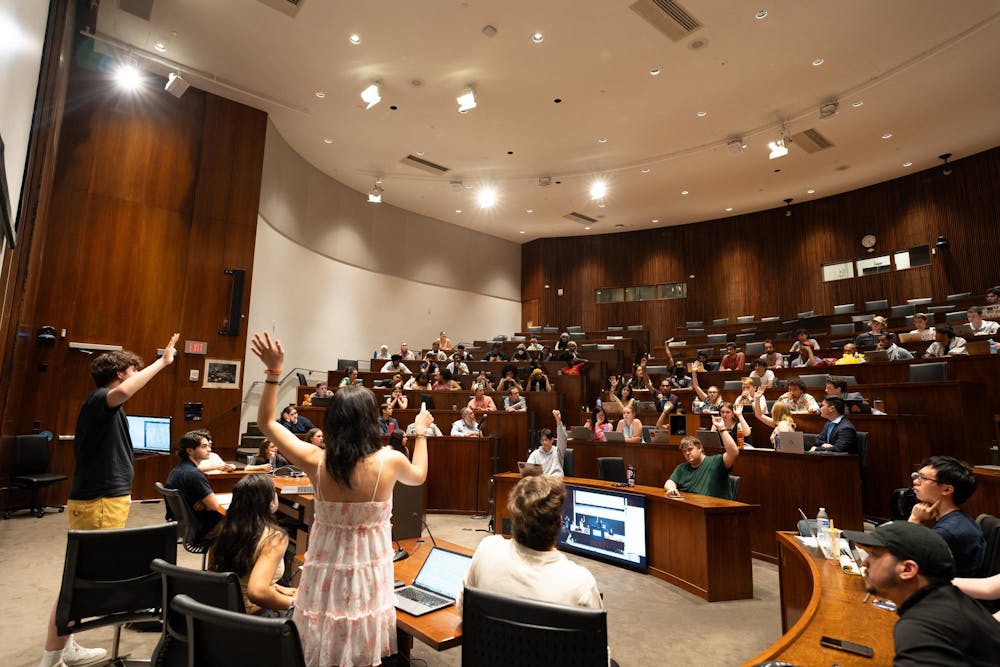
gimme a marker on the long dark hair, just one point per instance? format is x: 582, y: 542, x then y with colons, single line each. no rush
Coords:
x: 248, y: 517
x: 351, y: 429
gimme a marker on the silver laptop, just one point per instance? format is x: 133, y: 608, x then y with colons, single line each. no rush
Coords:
x: 789, y: 442
x: 528, y: 469
x: 614, y: 436
x: 876, y: 355
x: 661, y: 436
x: 581, y: 433
x: 436, y: 585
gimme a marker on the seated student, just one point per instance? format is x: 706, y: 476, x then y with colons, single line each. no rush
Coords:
x: 350, y: 378
x: 867, y: 340
x: 194, y: 446
x: 630, y: 426
x: 979, y: 326
x: 704, y: 475
x: 946, y: 344
x: 711, y: 399
x: 483, y: 379
x: 679, y: 378
x: 250, y: 543
x: 798, y: 399
x: 457, y: 366
x: 735, y: 423
x: 444, y: 343
x: 781, y: 416
x: 551, y: 459
x: 665, y: 399
x: 322, y: 391
x: 467, y: 425
x: 920, y: 322
x: 539, y: 381
x: 747, y: 392
x: 406, y: 353
x: 509, y: 379
x: 495, y: 354
x: 268, y: 457
x: 397, y: 441
x: 839, y: 434
x: 837, y: 386
x: 314, y: 436
x: 600, y: 425
x: 805, y: 357
x: 851, y: 356
x: 443, y: 382
x: 463, y: 354
x: 942, y: 485
x: 387, y: 424
x: 420, y: 381
x: 985, y: 588
x: 571, y: 353
x: 432, y: 431
x: 887, y: 342
x: 773, y: 358
x: 429, y: 365
x: 762, y: 375
x: 563, y: 342
x: 395, y: 365
x: 295, y: 423
x: 481, y: 402
x: 620, y: 394
x: 801, y: 338
x: 993, y: 296
x: 382, y: 353
x: 214, y: 463
x: 529, y: 566
x: 521, y: 354
x: 397, y: 399
x: 733, y: 361
x: 938, y: 624
x: 436, y: 353
x: 514, y: 402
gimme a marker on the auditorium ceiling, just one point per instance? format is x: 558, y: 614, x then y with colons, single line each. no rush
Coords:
x: 655, y: 101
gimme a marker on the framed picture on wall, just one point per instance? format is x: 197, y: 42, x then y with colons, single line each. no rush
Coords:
x: 6, y: 217
x: 221, y: 374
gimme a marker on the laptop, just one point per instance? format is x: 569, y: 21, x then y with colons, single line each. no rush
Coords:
x: 581, y: 433
x: 791, y: 442
x: 436, y: 585
x: 916, y: 337
x: 857, y: 406
x: 710, y: 439
x: 528, y: 469
x: 320, y: 402
x: 614, y: 436
x: 876, y: 355
x: 661, y: 436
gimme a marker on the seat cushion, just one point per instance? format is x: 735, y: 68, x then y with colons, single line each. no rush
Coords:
x: 41, y: 479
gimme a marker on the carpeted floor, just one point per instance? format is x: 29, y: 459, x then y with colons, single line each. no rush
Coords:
x: 650, y: 622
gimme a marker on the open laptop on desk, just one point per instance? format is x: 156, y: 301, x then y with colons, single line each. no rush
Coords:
x: 614, y: 436
x: 876, y: 355
x: 436, y: 585
x: 528, y: 469
x: 792, y: 442
x: 581, y: 433
x: 916, y: 337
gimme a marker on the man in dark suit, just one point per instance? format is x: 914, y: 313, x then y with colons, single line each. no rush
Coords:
x: 839, y: 434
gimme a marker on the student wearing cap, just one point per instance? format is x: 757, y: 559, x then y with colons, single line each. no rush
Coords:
x: 938, y: 624
x: 869, y: 339
x: 942, y: 485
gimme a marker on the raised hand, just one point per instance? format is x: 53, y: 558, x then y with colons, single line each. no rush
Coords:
x: 718, y: 423
x: 170, y: 351
x: 558, y: 416
x: 267, y: 350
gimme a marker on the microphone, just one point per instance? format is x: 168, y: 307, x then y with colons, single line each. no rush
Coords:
x: 486, y: 416
x: 429, y: 533
x: 400, y: 553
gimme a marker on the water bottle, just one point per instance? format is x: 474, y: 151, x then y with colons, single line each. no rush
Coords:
x: 630, y: 475
x: 272, y: 460
x: 823, y: 531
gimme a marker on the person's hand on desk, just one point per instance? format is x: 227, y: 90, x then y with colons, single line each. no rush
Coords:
x: 671, y: 489
x: 825, y: 447
x: 263, y: 467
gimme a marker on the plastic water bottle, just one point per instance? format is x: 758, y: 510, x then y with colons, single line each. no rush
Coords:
x: 272, y: 460
x: 823, y: 531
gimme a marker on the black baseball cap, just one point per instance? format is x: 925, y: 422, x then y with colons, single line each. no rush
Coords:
x: 911, y: 541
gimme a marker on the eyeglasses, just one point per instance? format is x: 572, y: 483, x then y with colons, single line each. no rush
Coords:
x: 916, y: 475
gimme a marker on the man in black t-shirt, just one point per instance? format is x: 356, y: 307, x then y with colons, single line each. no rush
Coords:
x: 195, y: 446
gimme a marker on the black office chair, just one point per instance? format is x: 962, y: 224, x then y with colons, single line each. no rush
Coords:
x: 611, y: 469
x: 863, y: 455
x: 499, y: 631
x: 814, y: 381
x: 187, y: 525
x: 730, y: 385
x: 217, y: 589
x: 107, y: 578
x: 734, y: 486
x: 844, y: 309
x: 302, y: 379
x: 843, y: 329
x: 936, y: 371
x: 568, y: 467
x: 872, y: 306
x: 901, y: 503
x: 958, y: 297
x: 221, y: 638
x: 30, y: 472
x: 990, y: 525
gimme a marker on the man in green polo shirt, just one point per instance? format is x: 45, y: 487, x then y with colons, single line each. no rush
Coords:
x: 704, y: 475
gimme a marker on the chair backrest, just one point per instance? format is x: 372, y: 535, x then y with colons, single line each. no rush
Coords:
x: 734, y: 486
x: 783, y: 335
x: 217, y: 589
x: 745, y: 337
x: 694, y: 324
x: 219, y: 637
x: 656, y: 370
x: 990, y: 525
x: 302, y: 379
x: 814, y: 381
x: 611, y: 469
x: 576, y: 328
x: 879, y: 304
x: 616, y: 328
x: 843, y: 329
x: 844, y: 309
x: 754, y: 349
x: 549, y: 330
x: 956, y: 316
x: 806, y: 313
x: 568, y: 463
x: 744, y: 319
x: 716, y: 339
x: 695, y: 331
x: 498, y: 631
x: 770, y: 318
x: 107, y: 578
x: 863, y: 455
x: 31, y: 454
x: 634, y: 327
x: 179, y: 511
x: 939, y: 309
x: 720, y: 322
x: 936, y: 371
x: 921, y: 301
x: 837, y: 344
x: 958, y: 297
x: 901, y: 503
x: 902, y: 311
x: 732, y: 384
x: 577, y: 335
x: 534, y: 330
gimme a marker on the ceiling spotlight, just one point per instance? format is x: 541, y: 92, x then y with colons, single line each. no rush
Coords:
x: 762, y: 14
x: 320, y: 94
x: 736, y: 145
x: 458, y: 210
x: 522, y: 231
x: 655, y: 71
x: 598, y: 190
x: 530, y: 210
x: 176, y: 86
x: 857, y: 103
x: 887, y: 135
x: 655, y: 220
x: 328, y: 141
x: 127, y: 75
x: 907, y: 164
x: 486, y: 197
x: 684, y: 192
x: 645, y: 170
x: 161, y: 47
x: 537, y: 38
x: 810, y: 191
x: 947, y: 167
x: 587, y: 228
x: 354, y: 39
x: 729, y: 209
x: 544, y: 180
x: 602, y: 140
x: 829, y: 110
x: 788, y: 207
x: 372, y: 95
x: 779, y: 147
x: 467, y: 100
x: 701, y: 114
x: 818, y: 62
x: 375, y: 194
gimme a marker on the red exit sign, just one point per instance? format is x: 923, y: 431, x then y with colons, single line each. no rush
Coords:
x: 195, y: 347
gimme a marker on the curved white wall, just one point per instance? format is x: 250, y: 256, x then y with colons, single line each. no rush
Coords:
x: 336, y: 277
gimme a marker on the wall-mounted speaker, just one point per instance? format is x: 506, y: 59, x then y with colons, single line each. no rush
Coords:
x: 231, y: 326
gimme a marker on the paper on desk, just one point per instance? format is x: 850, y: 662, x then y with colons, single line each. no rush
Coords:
x: 848, y: 565
x: 225, y: 499
x: 807, y: 541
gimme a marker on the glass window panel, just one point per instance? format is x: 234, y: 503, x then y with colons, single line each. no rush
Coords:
x: 838, y: 271
x: 609, y: 294
x: 671, y: 291
x: 907, y: 259
x: 640, y: 293
x: 872, y: 265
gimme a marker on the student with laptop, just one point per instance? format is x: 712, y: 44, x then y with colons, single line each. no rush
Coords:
x: 547, y: 456
x: 781, y: 416
x: 704, y: 475
x: 839, y: 434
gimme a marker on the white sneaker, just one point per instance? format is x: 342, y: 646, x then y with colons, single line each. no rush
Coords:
x: 75, y: 655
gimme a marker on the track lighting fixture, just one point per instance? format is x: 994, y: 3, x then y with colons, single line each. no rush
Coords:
x: 128, y: 75
x: 375, y: 194
x: 467, y: 100
x: 176, y: 85
x: 788, y: 207
x: 778, y: 147
x: 946, y: 170
x: 372, y: 95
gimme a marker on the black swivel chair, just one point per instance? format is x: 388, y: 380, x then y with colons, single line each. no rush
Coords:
x: 936, y: 371
x: 218, y: 589
x: 187, y: 525
x: 901, y: 503
x: 31, y: 465
x: 734, y: 486
x: 107, y: 578
x: 221, y: 638
x: 611, y: 469
x: 568, y: 467
x: 990, y: 525
x: 498, y: 631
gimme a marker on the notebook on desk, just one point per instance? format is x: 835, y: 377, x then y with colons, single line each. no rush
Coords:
x: 436, y: 585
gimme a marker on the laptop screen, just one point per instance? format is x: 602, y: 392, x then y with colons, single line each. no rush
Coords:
x: 443, y: 572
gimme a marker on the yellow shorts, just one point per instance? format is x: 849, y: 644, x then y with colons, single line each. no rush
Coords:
x: 99, y: 513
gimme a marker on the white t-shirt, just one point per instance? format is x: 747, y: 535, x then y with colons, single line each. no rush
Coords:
x: 501, y: 565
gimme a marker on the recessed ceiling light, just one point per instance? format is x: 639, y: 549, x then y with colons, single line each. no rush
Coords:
x: 702, y: 114
x: 684, y: 192
x: 531, y: 210
x: 420, y: 153
x: 857, y: 103
x: 320, y: 94
x: 729, y: 209
x: 818, y: 62
x: 522, y: 231
x: 762, y: 14
x: 655, y: 71
x: 598, y: 189
x: 160, y: 46
x: 603, y: 140
x: 486, y: 197
x: 537, y: 39
x: 655, y: 220
x: 458, y: 210
x: 355, y: 38
x: 587, y: 228
x: 810, y: 191
x: 601, y: 205
x: 887, y: 135
x: 328, y: 141
x: 907, y: 164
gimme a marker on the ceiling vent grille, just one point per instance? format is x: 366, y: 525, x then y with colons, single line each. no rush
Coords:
x: 580, y: 218
x: 425, y: 165
x: 811, y: 141
x: 668, y: 17
x: 142, y: 9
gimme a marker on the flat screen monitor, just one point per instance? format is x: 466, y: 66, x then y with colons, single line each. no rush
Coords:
x: 149, y: 434
x: 605, y: 525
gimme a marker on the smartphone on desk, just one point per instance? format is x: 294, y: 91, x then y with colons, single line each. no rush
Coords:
x: 849, y: 647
